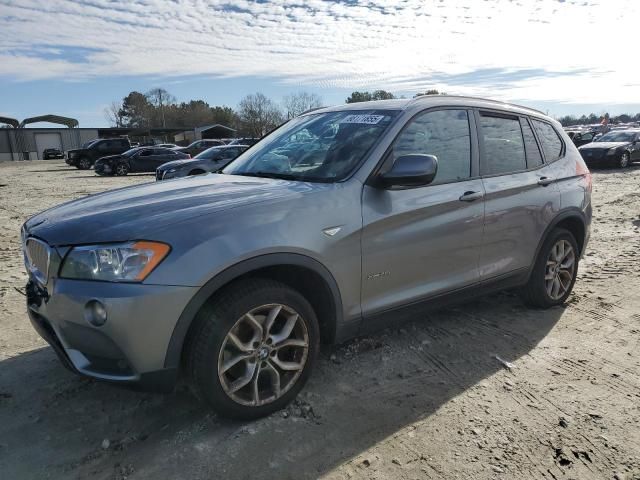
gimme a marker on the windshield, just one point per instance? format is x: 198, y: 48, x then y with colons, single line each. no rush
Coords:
x: 130, y: 152
x: 324, y: 147
x: 617, y: 137
x: 89, y: 143
x: 208, y: 154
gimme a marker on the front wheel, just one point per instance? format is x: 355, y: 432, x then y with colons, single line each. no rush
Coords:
x: 122, y: 169
x: 84, y: 164
x: 253, y: 348
x: 554, y: 272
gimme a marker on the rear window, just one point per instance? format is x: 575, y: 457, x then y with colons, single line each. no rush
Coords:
x: 551, y: 144
x: 503, y: 150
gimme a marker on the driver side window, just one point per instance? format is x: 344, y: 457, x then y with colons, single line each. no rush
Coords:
x: 444, y: 134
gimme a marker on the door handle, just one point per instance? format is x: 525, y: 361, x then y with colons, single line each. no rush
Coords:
x: 544, y: 181
x: 471, y: 196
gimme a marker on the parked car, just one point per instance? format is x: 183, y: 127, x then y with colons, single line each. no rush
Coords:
x: 619, y: 148
x: 581, y: 138
x: 49, y: 153
x: 249, y: 141
x: 236, y: 278
x: 141, y: 159
x: 211, y: 160
x: 84, y: 158
x: 200, y: 146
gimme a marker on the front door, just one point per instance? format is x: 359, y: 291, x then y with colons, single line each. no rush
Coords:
x: 420, y: 242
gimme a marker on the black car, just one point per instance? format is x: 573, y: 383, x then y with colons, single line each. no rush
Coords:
x: 199, y: 146
x: 83, y: 158
x: 210, y: 160
x: 582, y: 138
x: 140, y: 159
x: 618, y: 148
x: 49, y: 153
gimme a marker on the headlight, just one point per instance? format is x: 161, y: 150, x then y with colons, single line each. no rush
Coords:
x: 612, y: 151
x: 172, y: 170
x: 121, y: 262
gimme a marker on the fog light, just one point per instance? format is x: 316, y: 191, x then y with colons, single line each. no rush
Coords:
x: 95, y: 313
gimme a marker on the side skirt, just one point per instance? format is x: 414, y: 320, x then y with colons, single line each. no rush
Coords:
x: 405, y: 313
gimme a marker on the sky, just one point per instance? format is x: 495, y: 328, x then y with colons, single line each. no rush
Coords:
x: 74, y: 57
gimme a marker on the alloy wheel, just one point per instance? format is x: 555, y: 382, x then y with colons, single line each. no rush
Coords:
x: 121, y: 170
x: 263, y: 355
x: 624, y: 160
x: 560, y: 269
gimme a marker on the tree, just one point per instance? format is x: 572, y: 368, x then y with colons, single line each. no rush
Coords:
x: 431, y: 91
x: 113, y: 114
x: 368, y: 96
x: 300, y: 102
x: 160, y: 98
x: 136, y: 110
x: 258, y: 115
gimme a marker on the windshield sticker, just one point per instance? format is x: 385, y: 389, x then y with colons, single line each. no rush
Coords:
x: 365, y: 119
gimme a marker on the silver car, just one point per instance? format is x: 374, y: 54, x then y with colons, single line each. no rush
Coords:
x: 340, y: 221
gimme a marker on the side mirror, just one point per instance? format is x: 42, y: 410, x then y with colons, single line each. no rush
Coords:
x: 415, y: 170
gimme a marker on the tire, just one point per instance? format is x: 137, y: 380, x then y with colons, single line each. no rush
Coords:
x: 212, y: 354
x: 121, y: 170
x: 624, y: 161
x: 83, y: 164
x: 536, y: 292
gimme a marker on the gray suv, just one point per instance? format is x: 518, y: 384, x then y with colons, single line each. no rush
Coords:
x: 340, y: 221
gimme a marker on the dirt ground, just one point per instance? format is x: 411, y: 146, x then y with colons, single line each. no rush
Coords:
x: 486, y: 390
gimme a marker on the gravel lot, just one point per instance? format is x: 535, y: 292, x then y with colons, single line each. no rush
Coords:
x: 486, y: 390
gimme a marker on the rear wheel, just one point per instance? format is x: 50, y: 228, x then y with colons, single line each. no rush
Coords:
x: 554, y: 272
x: 625, y: 160
x: 253, y: 348
x: 84, y: 164
x: 122, y: 169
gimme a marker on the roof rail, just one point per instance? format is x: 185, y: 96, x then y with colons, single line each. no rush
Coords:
x: 479, y: 98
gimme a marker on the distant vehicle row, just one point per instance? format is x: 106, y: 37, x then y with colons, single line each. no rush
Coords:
x: 84, y: 158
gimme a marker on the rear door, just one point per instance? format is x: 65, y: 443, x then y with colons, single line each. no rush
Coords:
x: 420, y: 242
x: 521, y: 193
x: 143, y: 161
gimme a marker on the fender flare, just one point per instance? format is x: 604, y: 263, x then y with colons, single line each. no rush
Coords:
x: 181, y: 329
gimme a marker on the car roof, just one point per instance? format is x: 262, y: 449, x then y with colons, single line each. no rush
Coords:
x: 425, y: 101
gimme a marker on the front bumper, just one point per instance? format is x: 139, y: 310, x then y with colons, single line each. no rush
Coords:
x: 103, y: 169
x: 130, y: 348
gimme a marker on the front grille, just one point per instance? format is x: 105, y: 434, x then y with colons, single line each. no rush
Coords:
x: 37, y: 257
x: 593, y: 154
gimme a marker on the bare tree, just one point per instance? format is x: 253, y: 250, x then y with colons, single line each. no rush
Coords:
x: 160, y: 98
x: 259, y: 114
x: 113, y: 114
x: 300, y: 102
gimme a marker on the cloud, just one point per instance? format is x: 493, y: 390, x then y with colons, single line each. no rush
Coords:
x: 543, y: 50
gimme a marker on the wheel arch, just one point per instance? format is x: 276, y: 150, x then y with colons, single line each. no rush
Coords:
x: 573, y: 220
x: 300, y: 272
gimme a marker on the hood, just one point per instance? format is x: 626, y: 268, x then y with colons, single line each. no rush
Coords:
x: 139, y: 211
x: 603, y: 145
x: 178, y: 163
x: 76, y: 150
